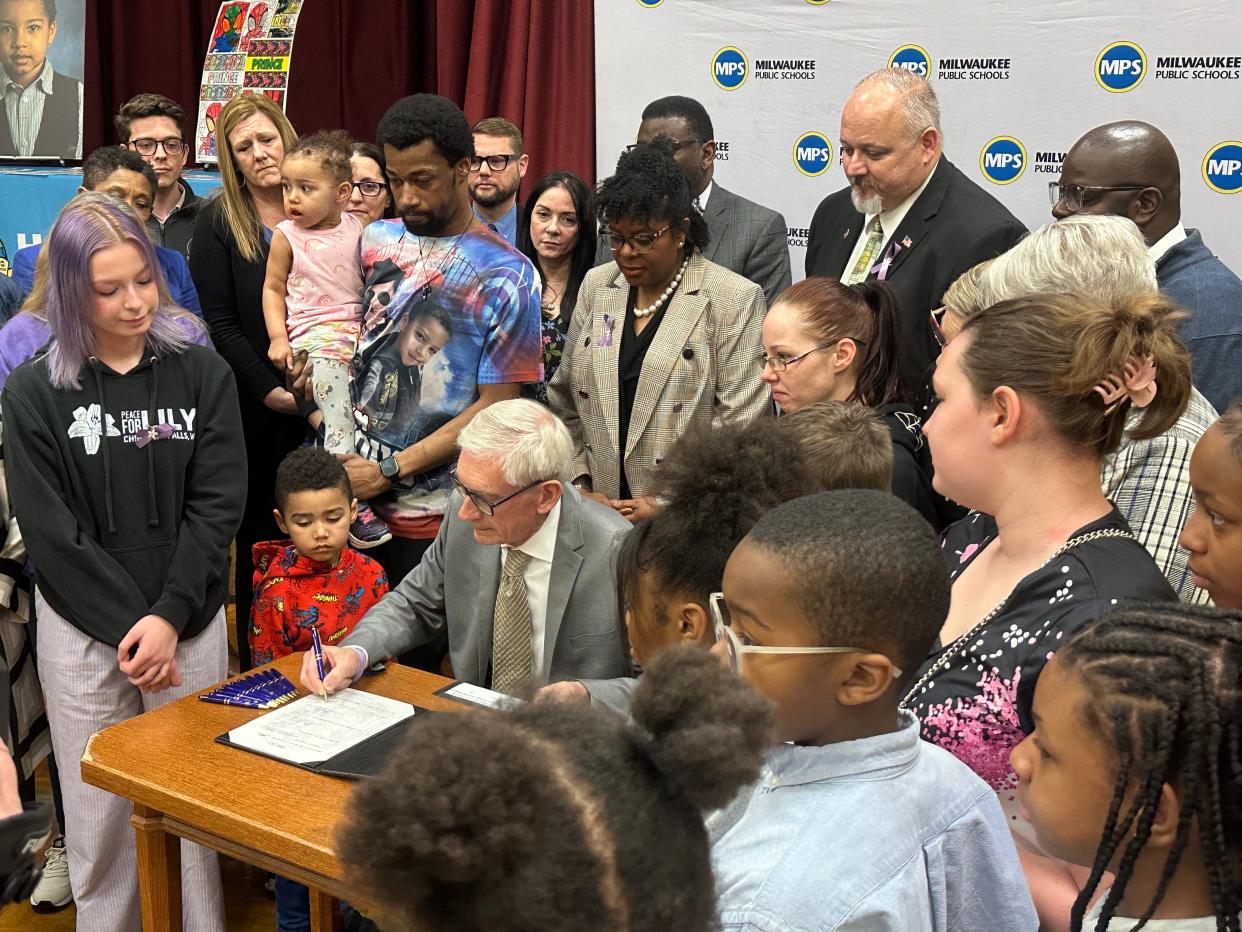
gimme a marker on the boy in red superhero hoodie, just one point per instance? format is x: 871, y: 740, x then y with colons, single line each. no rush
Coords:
x: 313, y: 579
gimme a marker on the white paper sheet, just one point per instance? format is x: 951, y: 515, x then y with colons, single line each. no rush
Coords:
x: 477, y: 695
x: 311, y: 730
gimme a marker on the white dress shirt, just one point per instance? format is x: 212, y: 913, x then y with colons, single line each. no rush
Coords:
x: 541, y: 548
x: 702, y: 198
x: 890, y: 220
x: 1157, y: 249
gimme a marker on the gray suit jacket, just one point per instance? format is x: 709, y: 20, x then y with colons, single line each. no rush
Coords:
x: 703, y: 366
x: 455, y: 586
x: 745, y: 237
x: 749, y: 239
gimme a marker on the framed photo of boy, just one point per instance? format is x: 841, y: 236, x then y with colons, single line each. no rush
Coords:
x: 42, y: 53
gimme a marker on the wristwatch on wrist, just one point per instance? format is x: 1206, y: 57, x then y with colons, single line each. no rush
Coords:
x: 389, y: 468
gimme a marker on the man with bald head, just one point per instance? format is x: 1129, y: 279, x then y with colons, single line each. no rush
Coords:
x: 908, y: 216
x: 1130, y: 169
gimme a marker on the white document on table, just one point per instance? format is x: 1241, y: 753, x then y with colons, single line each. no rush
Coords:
x: 311, y: 730
x: 478, y: 695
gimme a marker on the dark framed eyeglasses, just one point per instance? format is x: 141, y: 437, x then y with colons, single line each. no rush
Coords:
x: 485, y: 505
x: 678, y: 144
x: 1074, y: 195
x: 781, y: 363
x: 146, y: 146
x: 369, y: 188
x: 641, y: 243
x: 496, y: 163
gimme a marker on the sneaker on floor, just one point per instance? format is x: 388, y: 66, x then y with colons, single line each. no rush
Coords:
x: 52, y: 891
x: 368, y: 530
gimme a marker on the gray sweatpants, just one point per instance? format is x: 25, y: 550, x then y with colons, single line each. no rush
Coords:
x: 85, y: 692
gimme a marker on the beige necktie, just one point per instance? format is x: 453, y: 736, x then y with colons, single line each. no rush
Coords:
x: 875, y: 240
x: 513, y: 657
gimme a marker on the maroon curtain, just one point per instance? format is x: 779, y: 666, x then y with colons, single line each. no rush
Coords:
x: 530, y: 61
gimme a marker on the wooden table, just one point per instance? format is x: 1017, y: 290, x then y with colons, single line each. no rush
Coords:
x: 185, y: 785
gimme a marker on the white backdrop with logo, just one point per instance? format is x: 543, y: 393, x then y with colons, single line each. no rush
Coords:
x: 1018, y: 83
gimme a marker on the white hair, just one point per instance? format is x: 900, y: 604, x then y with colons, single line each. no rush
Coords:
x: 919, y: 105
x: 530, y: 441
x: 1104, y: 257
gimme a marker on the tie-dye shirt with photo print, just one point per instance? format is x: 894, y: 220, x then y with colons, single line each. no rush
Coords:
x: 441, y: 316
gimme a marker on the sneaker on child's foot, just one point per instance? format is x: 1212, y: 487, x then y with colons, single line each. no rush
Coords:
x: 52, y: 891
x: 368, y: 530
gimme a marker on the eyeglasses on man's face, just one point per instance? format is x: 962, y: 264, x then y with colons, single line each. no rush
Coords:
x: 496, y: 163
x: 678, y: 144
x: 146, y: 146
x: 734, y: 649
x: 640, y: 243
x: 369, y: 188
x: 481, y: 502
x: 1075, y: 195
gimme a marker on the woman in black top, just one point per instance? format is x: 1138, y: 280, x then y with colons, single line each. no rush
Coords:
x: 827, y: 341
x: 555, y: 233
x: 661, y: 338
x: 1033, y: 394
x: 228, y: 261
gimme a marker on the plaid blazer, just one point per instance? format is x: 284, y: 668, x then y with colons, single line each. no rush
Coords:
x: 702, y: 366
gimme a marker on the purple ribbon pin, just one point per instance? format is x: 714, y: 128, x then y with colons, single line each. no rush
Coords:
x: 880, y: 269
x: 609, y: 323
x: 158, y: 432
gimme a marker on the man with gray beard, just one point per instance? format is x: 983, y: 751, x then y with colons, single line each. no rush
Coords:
x: 909, y: 217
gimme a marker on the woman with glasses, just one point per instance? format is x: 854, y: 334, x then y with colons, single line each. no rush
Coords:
x: 553, y: 235
x: 228, y: 262
x: 369, y: 199
x: 661, y: 339
x: 827, y: 341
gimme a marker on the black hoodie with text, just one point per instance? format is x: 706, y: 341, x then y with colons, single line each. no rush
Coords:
x: 129, y: 488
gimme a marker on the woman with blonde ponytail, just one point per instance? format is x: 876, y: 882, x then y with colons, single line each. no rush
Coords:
x: 1034, y: 394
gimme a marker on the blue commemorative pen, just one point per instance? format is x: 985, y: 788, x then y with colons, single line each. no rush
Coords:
x: 317, y: 646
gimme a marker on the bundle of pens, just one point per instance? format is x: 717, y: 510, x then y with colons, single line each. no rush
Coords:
x: 266, y: 689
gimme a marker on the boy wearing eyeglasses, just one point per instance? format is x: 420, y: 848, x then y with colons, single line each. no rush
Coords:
x: 154, y: 126
x: 829, y: 604
x: 41, y: 114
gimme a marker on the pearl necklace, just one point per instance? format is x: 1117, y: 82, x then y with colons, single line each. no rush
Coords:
x: 641, y: 312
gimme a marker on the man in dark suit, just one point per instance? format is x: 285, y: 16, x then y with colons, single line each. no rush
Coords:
x: 908, y: 217
x: 745, y: 237
x: 1129, y: 169
x: 520, y: 576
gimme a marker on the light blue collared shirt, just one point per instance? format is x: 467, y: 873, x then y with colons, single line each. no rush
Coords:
x: 506, y: 226
x: 883, y: 833
x: 24, y: 108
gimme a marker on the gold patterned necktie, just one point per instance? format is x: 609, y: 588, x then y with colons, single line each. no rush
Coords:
x: 875, y: 240
x: 513, y: 656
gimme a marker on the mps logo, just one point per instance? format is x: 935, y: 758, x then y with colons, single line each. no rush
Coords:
x: 1222, y: 167
x: 650, y: 4
x: 1120, y: 67
x: 1003, y: 160
x: 812, y: 153
x: 730, y: 68
x: 912, y: 58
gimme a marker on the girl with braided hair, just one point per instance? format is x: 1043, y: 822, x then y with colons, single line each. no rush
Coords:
x: 1133, y: 765
x: 1213, y: 535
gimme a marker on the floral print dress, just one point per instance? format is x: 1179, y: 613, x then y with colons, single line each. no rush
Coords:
x: 966, y: 693
x: 552, y: 344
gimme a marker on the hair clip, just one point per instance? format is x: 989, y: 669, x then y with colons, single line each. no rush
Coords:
x: 1136, y: 382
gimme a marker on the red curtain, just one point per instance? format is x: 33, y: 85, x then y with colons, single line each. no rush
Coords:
x: 530, y: 61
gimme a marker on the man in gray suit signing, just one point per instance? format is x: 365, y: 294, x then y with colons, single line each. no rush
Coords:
x: 520, y: 574
x: 745, y: 237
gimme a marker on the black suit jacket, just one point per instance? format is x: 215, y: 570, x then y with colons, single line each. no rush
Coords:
x: 953, y: 225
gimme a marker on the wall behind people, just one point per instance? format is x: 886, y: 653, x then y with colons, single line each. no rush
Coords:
x: 531, y: 61
x: 1015, y: 80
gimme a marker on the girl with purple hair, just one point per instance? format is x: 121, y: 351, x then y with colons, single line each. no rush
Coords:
x: 124, y: 457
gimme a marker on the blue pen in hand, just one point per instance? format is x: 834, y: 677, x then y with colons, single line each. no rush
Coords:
x: 317, y: 647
